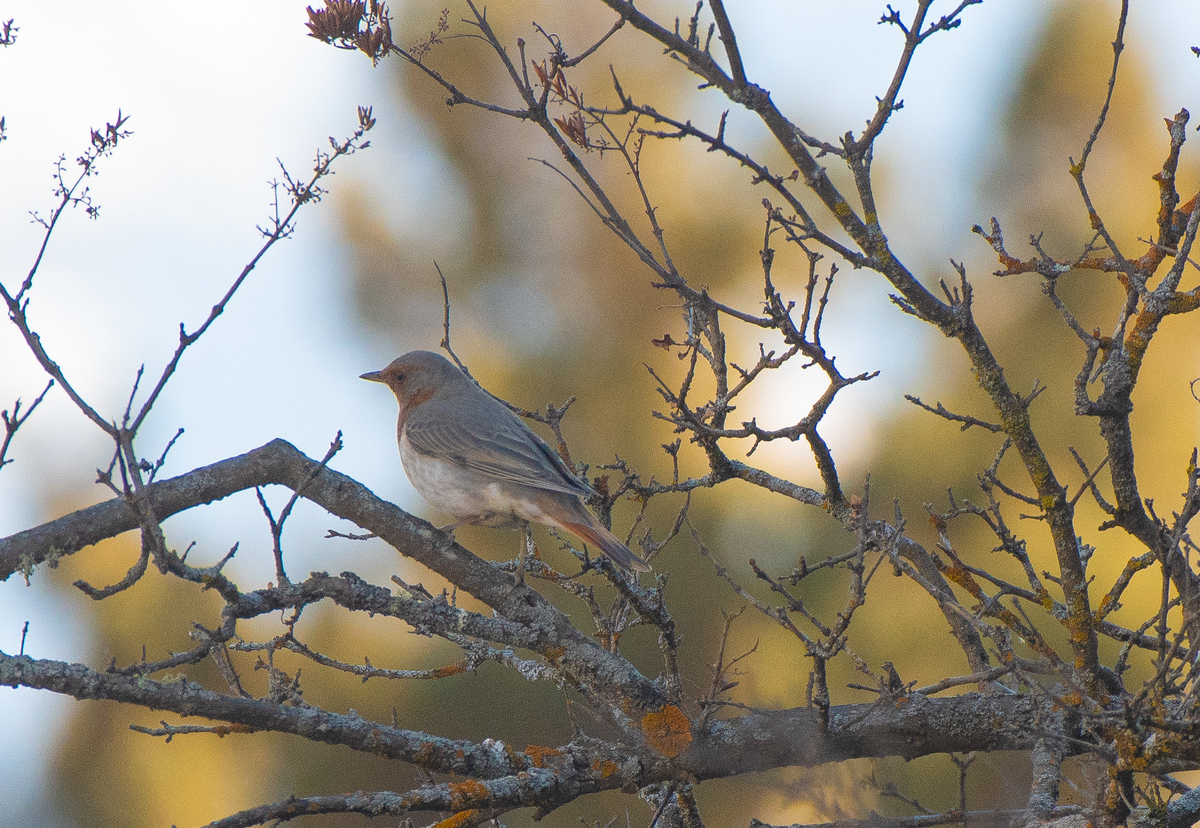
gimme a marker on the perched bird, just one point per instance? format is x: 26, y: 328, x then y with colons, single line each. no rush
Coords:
x: 475, y: 460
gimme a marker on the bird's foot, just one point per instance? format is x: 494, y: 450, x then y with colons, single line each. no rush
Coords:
x: 449, y: 529
x: 527, y: 551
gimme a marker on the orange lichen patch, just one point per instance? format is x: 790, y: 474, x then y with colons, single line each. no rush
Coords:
x: 467, y: 793
x: 539, y: 754
x: 461, y: 818
x: 605, y: 768
x: 426, y: 756
x: 378, y: 744
x: 963, y: 578
x: 451, y: 670
x: 225, y: 730
x: 1107, y: 604
x: 554, y: 654
x: 1129, y: 751
x: 668, y: 731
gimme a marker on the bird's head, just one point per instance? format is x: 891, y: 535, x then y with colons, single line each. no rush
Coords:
x: 417, y: 376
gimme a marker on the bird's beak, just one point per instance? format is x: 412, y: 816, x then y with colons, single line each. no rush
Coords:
x: 373, y: 376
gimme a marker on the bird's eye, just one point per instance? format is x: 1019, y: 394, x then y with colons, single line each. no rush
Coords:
x: 399, y: 376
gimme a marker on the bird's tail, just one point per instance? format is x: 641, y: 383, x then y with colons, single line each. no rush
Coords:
x: 609, y: 544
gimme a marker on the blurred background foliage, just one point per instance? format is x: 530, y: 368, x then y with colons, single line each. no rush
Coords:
x: 546, y: 304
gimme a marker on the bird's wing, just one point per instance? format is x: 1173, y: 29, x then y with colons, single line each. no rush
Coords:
x: 487, y: 438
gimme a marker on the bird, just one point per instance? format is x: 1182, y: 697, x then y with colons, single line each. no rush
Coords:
x: 475, y: 460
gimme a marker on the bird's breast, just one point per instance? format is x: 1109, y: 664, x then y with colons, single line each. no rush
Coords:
x: 467, y: 495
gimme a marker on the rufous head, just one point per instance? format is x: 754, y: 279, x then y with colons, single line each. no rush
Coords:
x: 419, y: 375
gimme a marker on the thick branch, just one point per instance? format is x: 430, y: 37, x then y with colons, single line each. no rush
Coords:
x: 909, y: 727
x: 600, y: 674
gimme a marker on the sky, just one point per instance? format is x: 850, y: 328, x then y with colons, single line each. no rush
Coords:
x: 211, y: 112
x: 214, y: 111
